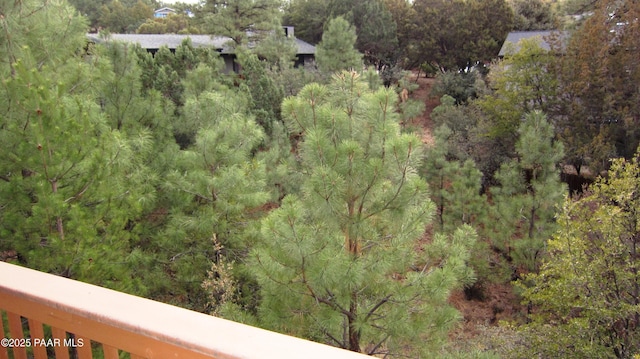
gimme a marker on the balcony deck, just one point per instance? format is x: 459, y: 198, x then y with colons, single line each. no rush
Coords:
x: 79, y: 313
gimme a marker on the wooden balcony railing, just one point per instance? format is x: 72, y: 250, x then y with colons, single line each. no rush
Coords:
x: 44, y: 315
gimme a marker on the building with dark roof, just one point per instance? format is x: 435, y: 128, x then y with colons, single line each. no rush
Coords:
x: 511, y: 44
x: 153, y: 42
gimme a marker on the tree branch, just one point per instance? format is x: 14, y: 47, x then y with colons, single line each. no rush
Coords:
x: 339, y: 343
x: 377, y: 306
x: 375, y: 348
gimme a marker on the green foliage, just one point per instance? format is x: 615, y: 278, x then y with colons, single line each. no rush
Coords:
x: 128, y: 107
x: 244, y: 21
x: 283, y: 174
x: 525, y: 81
x: 265, y: 94
x: 455, y: 189
x: 404, y: 16
x: 375, y: 29
x: 409, y: 108
x: 462, y: 86
x: 195, y: 116
x: 374, y: 24
x: 119, y: 17
x: 120, y: 90
x: 589, y: 93
x: 308, y: 17
x: 530, y: 15
x: 293, y: 79
x: 577, y: 7
x: 450, y: 114
x: 488, y: 23
x: 600, y: 93
x: 203, y: 78
x: 337, y: 263
x: 93, y: 184
x: 170, y: 72
x: 586, y: 293
x: 26, y: 34
x: 529, y: 192
x: 214, y: 190
x: 68, y: 211
x: 337, y: 50
x: 172, y: 24
x: 466, y: 137
x: 455, y: 186
x: 277, y: 49
x: 72, y: 187
x: 454, y: 35
x: 90, y: 9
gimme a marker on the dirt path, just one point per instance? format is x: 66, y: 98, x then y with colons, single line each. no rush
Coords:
x: 423, y: 94
x: 497, y: 301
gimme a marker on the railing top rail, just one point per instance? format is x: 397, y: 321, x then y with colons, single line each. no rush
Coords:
x: 162, y: 323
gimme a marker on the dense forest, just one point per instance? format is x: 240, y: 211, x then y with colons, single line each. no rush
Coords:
x: 305, y: 200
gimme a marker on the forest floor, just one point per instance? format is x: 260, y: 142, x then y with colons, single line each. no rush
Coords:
x: 423, y: 93
x: 482, y: 308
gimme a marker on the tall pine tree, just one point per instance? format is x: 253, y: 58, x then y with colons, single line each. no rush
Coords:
x: 71, y: 186
x: 530, y: 191
x: 342, y: 262
x: 337, y: 49
x: 215, y: 191
x: 241, y: 20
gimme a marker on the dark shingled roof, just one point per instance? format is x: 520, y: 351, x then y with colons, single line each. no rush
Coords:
x: 305, y: 48
x: 541, y: 36
x: 172, y: 41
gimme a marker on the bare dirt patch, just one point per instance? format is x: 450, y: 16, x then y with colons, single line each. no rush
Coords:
x: 423, y: 93
x: 497, y: 302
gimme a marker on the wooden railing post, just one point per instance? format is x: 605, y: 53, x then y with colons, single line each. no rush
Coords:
x: 3, y: 335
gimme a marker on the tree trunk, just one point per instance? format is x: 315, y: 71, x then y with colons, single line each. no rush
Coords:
x: 354, y: 334
x: 59, y: 227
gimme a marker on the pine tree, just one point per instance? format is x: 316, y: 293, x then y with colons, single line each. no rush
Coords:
x: 166, y: 70
x: 265, y: 94
x: 215, y: 190
x: 121, y: 97
x: 375, y: 29
x: 455, y: 185
x: 244, y: 21
x: 337, y: 49
x: 530, y: 191
x: 337, y: 262
x: 27, y: 30
x: 72, y: 187
x: 282, y: 169
x: 278, y: 50
x: 455, y: 189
